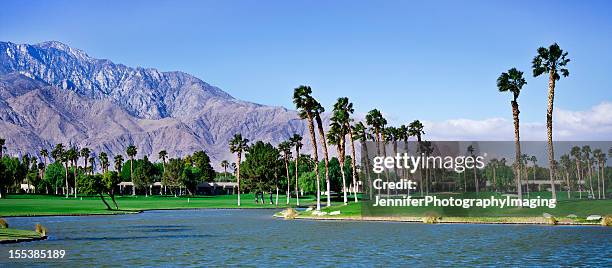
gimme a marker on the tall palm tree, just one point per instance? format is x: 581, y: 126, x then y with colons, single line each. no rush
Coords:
x: 377, y: 122
x: 586, y: 153
x: 163, y: 155
x: 347, y: 109
x: 58, y: 153
x: 225, y: 165
x: 603, y: 160
x: 317, y: 113
x: 566, y: 163
x: 471, y: 151
x: 403, y: 135
x: 73, y: 156
x: 577, y: 154
x: 285, y: 148
x: 525, y: 172
x: 415, y: 129
x: 238, y: 145
x: 551, y: 60
x: 307, y: 107
x: 92, y: 164
x: 391, y: 134
x: 66, y: 159
x: 335, y: 136
x: 118, y: 163
x: 131, y: 151
x: 494, y: 163
x: 361, y: 134
x: 85, y: 153
x: 339, y: 128
x: 296, y: 141
x: 513, y: 81
x: 103, y: 161
x: 534, y: 161
x: 597, y: 157
x: 427, y: 149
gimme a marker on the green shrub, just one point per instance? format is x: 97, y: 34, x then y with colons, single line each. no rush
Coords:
x: 551, y: 220
x: 3, y: 223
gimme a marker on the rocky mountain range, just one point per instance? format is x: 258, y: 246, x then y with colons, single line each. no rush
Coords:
x: 51, y: 93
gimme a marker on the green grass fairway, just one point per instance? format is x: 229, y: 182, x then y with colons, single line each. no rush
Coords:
x: 14, y: 234
x: 40, y: 205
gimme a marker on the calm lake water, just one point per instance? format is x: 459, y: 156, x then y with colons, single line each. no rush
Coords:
x: 254, y: 238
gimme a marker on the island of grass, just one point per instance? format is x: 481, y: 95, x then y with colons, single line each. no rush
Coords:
x: 9, y: 235
x: 567, y: 212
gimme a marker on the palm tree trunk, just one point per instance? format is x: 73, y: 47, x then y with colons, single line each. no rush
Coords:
x: 131, y: 175
x: 590, y: 171
x: 569, y: 187
x: 526, y: 178
x: 421, y: 170
x: 325, y: 157
x: 598, y: 181
x: 549, y: 128
x: 535, y: 170
x: 353, y: 165
x: 384, y: 149
x: 313, y: 139
x: 377, y: 133
x: 405, y: 171
x: 517, y: 149
x: 395, y: 153
x: 603, y: 179
x: 494, y: 180
x: 74, y: 171
x: 476, y: 181
x: 366, y: 161
x: 288, y: 179
x: 341, y: 156
x: 66, y: 166
x: 239, y: 157
x: 297, y: 193
x: 464, y: 182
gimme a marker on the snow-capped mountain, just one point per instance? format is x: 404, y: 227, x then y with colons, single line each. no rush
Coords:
x: 51, y: 93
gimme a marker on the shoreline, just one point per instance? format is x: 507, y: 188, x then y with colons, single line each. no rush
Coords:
x: 450, y: 220
x: 11, y: 236
x: 130, y: 212
x: 22, y: 240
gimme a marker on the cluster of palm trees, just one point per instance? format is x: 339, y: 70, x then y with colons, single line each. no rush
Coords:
x: 582, y: 162
x: 342, y: 128
x: 70, y: 158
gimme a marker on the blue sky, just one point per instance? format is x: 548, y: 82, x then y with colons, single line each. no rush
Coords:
x: 412, y: 59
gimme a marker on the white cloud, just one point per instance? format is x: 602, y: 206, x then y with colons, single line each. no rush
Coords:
x: 592, y: 124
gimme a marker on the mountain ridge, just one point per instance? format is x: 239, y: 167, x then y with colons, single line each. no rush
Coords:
x: 52, y: 93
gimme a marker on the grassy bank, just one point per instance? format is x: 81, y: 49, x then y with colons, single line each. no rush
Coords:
x: 44, y: 205
x: 8, y: 235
